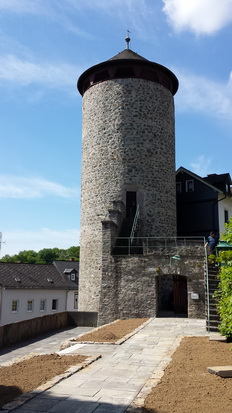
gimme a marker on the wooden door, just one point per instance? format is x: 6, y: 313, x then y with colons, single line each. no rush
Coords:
x: 180, y: 295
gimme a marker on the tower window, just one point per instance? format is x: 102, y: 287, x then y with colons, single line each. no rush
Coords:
x: 190, y: 186
x: 131, y: 204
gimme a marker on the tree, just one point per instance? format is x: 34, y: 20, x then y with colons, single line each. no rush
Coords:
x: 224, y: 293
x: 44, y: 256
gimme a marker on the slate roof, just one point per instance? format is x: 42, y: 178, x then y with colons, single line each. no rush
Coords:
x: 34, y: 276
x: 127, y: 54
x: 61, y: 266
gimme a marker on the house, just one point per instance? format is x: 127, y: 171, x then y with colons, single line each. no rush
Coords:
x: 203, y: 204
x: 33, y: 290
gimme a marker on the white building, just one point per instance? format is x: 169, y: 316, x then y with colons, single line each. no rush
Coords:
x: 33, y: 290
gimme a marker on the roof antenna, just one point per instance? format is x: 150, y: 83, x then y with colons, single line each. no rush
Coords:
x: 127, y: 40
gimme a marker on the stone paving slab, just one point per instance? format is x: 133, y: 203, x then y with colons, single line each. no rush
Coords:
x: 120, y: 380
x: 222, y: 371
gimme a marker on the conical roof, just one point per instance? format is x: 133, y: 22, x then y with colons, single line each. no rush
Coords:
x: 127, y: 64
x: 127, y: 54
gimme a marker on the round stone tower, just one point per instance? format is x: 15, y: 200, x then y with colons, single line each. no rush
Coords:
x: 128, y: 158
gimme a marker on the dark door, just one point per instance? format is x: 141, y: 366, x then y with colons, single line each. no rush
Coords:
x: 131, y: 204
x: 180, y: 295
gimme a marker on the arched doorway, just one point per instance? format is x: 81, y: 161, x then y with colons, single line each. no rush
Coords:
x: 172, y: 295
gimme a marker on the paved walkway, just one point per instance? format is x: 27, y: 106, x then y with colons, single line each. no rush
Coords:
x: 117, y: 381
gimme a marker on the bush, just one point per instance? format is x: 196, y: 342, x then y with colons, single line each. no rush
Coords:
x: 224, y: 293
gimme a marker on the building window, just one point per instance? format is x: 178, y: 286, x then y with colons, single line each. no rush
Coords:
x: 54, y: 304
x: 76, y: 300
x: 29, y: 306
x: 73, y: 276
x: 42, y: 305
x: 178, y: 187
x: 15, y: 306
x: 226, y: 216
x: 190, y: 186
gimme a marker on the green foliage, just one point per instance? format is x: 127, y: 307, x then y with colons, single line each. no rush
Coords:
x: 224, y: 293
x: 227, y: 235
x: 44, y: 256
x: 224, y: 296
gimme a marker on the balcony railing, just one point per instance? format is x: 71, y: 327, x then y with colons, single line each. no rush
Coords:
x: 148, y: 245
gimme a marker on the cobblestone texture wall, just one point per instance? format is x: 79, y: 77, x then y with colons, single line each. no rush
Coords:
x: 130, y: 289
x: 128, y: 144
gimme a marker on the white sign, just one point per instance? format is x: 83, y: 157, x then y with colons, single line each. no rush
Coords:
x: 195, y: 296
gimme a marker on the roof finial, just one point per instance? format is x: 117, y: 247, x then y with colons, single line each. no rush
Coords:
x: 128, y: 40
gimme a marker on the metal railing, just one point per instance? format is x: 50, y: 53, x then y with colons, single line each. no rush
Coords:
x: 144, y: 245
x: 134, y: 225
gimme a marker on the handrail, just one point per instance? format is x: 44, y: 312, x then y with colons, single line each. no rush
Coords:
x: 134, y: 224
x: 161, y: 242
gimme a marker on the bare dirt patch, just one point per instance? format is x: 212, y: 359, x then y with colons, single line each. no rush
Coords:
x: 27, y: 375
x: 113, y: 332
x: 187, y: 387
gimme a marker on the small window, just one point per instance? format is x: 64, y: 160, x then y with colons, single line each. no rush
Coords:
x: 54, y: 304
x: 42, y: 305
x: 76, y: 300
x: 15, y: 306
x: 190, y: 186
x: 178, y: 188
x: 226, y: 216
x: 73, y: 276
x: 29, y: 306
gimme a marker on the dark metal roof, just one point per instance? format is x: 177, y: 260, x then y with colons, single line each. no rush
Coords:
x: 128, y: 54
x: 34, y: 276
x: 61, y: 266
x: 128, y: 64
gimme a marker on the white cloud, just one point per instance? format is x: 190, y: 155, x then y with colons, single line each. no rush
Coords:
x: 201, y: 165
x: 199, y: 16
x: 203, y: 95
x: 19, y: 240
x: 22, y: 72
x: 22, y: 6
x: 28, y: 188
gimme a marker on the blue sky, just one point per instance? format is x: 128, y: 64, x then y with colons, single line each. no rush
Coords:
x: 44, y: 47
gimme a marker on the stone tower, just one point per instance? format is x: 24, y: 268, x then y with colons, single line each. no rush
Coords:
x: 128, y: 164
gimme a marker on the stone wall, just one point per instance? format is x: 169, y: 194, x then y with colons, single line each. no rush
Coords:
x: 129, y: 283
x: 128, y: 145
x: 24, y: 330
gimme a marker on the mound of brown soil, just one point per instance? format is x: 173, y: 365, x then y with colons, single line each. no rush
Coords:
x: 29, y: 374
x: 113, y: 332
x: 187, y: 387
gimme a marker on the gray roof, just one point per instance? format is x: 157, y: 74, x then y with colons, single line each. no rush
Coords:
x: 127, y: 54
x: 65, y: 267
x: 34, y: 276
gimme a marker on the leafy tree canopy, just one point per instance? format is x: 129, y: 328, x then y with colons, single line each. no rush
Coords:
x: 44, y: 256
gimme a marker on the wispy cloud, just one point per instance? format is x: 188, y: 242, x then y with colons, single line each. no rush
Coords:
x: 199, y: 94
x: 22, y: 72
x: 20, y: 240
x: 28, y: 188
x: 199, y: 16
x: 22, y: 6
x: 140, y: 13
x: 201, y: 165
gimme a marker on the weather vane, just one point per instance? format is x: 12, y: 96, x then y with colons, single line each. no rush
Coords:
x: 128, y: 40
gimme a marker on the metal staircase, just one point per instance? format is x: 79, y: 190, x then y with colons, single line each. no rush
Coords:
x: 212, y: 318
